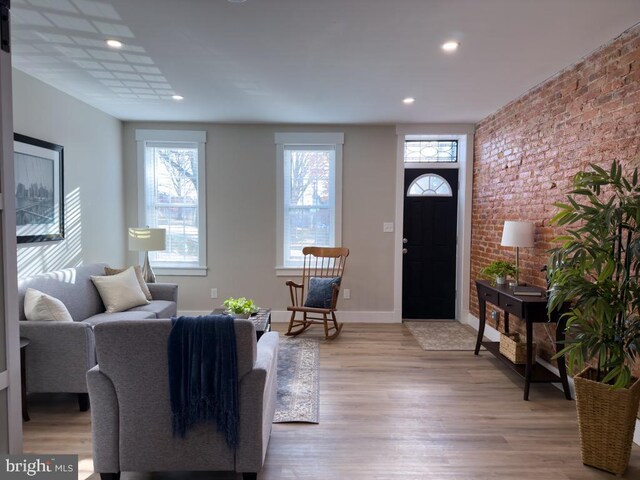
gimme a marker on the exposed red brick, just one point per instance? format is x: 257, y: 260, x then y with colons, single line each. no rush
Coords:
x: 527, y: 153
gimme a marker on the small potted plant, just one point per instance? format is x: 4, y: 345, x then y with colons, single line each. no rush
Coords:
x: 240, y: 307
x: 498, y: 271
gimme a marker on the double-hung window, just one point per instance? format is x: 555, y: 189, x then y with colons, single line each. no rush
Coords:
x: 171, y: 173
x: 309, y: 194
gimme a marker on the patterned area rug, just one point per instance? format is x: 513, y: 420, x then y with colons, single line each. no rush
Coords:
x: 298, y: 381
x: 443, y: 335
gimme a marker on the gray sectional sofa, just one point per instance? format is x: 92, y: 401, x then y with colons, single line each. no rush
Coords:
x: 60, y: 353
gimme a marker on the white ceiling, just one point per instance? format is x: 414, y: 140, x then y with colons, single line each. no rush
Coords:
x: 307, y: 61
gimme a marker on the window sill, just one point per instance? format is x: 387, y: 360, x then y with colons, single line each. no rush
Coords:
x: 288, y: 271
x: 181, y: 271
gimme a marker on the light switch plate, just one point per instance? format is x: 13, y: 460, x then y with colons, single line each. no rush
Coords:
x: 346, y: 294
x: 387, y: 227
x: 214, y: 293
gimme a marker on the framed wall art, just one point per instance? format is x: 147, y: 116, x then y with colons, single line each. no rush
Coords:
x: 39, y: 171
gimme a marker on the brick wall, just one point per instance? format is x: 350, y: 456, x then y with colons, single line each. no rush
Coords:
x: 527, y: 153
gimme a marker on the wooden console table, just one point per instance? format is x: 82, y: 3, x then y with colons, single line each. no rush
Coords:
x: 530, y: 309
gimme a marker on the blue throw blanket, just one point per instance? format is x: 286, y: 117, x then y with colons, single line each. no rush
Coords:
x: 203, y: 374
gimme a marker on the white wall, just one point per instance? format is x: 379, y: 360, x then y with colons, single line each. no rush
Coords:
x: 93, y: 177
x: 241, y: 215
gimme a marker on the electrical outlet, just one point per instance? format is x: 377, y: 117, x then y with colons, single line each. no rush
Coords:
x: 387, y: 227
x: 214, y: 293
x: 494, y: 316
x: 346, y: 294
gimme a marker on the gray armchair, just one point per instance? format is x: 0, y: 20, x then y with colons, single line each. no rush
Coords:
x: 131, y: 410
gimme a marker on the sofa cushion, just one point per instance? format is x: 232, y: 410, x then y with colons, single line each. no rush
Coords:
x: 110, y: 317
x: 121, y: 291
x: 40, y: 306
x: 138, y: 270
x: 161, y: 308
x: 72, y: 286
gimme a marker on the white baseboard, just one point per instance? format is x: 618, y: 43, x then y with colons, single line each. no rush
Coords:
x: 344, y: 316
x: 494, y: 335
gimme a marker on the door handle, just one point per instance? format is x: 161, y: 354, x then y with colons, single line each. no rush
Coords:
x: 404, y: 251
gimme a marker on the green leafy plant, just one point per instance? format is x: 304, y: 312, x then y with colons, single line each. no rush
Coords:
x: 240, y: 306
x: 499, y: 268
x: 596, y: 268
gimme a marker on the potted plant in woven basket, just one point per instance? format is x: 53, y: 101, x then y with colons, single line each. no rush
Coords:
x: 596, y: 270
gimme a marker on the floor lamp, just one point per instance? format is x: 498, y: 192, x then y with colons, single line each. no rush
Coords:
x: 147, y: 240
x: 517, y: 234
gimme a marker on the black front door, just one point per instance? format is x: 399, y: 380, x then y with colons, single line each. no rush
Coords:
x: 430, y: 231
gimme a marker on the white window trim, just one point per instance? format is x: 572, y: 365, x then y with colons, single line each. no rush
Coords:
x: 335, y: 139
x: 177, y: 136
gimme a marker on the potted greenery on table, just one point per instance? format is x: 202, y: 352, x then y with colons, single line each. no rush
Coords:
x: 596, y: 269
x: 240, y: 307
x: 498, y: 271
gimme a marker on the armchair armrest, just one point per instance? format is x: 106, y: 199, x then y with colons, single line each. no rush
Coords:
x: 104, y: 421
x: 296, y: 291
x: 164, y: 291
x: 58, y: 356
x: 258, y: 391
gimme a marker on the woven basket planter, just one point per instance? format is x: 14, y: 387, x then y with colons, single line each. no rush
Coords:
x: 512, y: 347
x: 606, y: 419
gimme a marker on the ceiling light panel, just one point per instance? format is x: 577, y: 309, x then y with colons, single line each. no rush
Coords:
x: 97, y: 9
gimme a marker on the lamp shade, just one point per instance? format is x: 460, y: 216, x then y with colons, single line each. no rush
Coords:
x: 147, y: 239
x: 517, y: 234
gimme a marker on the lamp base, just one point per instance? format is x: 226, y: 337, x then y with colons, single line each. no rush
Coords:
x: 147, y: 271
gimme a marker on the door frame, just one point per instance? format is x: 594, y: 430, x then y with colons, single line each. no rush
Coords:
x: 464, y: 134
x: 9, y: 378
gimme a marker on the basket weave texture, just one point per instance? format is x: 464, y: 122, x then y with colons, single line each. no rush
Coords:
x: 512, y: 347
x: 606, y: 419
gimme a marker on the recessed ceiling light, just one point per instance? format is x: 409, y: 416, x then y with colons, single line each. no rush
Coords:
x: 450, y: 46
x: 408, y: 100
x: 114, y: 43
x: 236, y: 1
x: 177, y: 97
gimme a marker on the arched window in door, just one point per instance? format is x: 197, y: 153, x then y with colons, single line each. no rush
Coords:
x: 429, y: 185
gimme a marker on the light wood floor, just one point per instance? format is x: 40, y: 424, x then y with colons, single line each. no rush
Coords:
x: 390, y: 410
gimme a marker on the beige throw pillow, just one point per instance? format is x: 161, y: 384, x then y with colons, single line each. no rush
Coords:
x: 138, y: 270
x: 40, y: 306
x: 121, y: 291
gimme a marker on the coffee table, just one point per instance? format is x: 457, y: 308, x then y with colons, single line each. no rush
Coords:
x: 261, y: 320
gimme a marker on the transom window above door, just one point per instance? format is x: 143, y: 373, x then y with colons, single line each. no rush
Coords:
x: 430, y: 151
x: 429, y: 185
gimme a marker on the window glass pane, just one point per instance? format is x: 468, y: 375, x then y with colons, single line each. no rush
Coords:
x: 431, y: 151
x: 429, y: 185
x: 309, y: 172
x: 309, y: 200
x: 172, y: 200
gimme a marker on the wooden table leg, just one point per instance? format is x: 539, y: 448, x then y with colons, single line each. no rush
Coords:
x: 562, y: 366
x: 482, y: 305
x: 506, y: 322
x: 529, y: 366
x: 23, y: 380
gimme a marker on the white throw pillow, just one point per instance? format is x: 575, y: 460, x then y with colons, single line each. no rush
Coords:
x: 40, y: 306
x: 121, y: 291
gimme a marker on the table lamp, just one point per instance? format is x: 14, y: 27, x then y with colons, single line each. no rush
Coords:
x: 147, y: 240
x: 517, y: 234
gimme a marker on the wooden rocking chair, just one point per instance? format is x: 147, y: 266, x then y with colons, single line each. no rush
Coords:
x: 319, y: 262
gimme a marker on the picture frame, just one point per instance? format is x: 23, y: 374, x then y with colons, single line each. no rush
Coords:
x: 39, y: 189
